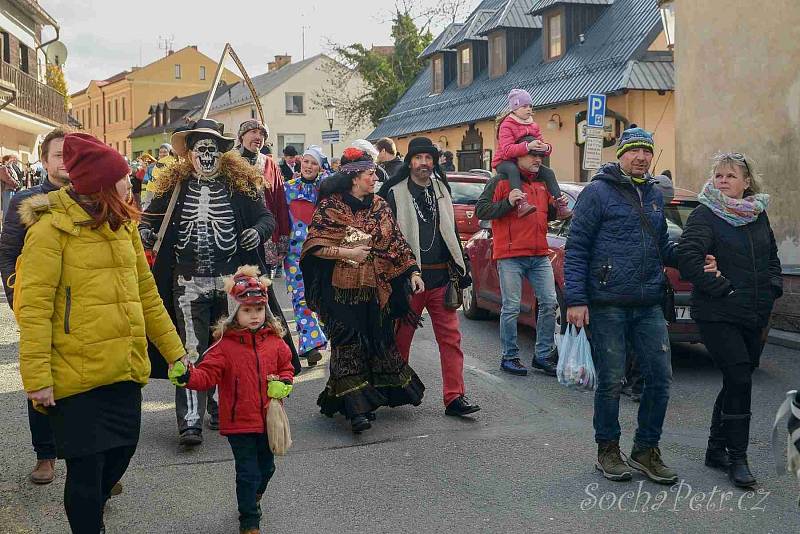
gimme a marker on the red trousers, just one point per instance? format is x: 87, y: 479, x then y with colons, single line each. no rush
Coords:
x: 448, y: 337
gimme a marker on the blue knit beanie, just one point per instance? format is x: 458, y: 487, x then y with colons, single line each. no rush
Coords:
x: 635, y: 137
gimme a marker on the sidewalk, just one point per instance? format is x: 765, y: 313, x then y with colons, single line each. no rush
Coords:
x: 783, y: 338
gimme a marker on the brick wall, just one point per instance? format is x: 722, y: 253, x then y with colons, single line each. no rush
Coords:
x: 786, y: 314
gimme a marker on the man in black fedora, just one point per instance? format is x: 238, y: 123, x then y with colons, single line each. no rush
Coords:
x: 211, y: 203
x: 419, y: 196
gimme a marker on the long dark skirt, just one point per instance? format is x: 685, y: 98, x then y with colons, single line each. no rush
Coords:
x: 364, y: 377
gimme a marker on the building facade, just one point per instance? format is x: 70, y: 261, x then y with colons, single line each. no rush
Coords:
x: 289, y: 94
x: 746, y: 100
x: 29, y: 108
x: 111, y: 109
x: 559, y: 51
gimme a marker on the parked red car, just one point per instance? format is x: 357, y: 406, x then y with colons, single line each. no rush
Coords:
x: 466, y: 188
x: 484, y: 298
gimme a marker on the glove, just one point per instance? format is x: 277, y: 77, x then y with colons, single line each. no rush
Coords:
x: 148, y: 237
x: 178, y: 374
x: 278, y: 390
x: 250, y: 239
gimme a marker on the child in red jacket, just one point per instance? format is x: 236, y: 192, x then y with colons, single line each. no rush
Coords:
x: 243, y: 364
x: 517, y: 124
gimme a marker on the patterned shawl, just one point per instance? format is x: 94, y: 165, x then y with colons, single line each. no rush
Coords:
x: 734, y: 211
x: 391, y: 256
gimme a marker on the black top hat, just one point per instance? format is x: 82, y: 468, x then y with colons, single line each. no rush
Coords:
x: 201, y: 126
x: 421, y: 145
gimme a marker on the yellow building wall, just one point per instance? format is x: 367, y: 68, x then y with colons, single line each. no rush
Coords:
x: 647, y: 109
x: 140, y: 89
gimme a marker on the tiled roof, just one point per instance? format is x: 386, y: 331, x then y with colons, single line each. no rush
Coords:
x: 440, y: 43
x: 513, y: 15
x: 191, y: 105
x: 238, y: 94
x: 611, y: 59
x: 541, y: 5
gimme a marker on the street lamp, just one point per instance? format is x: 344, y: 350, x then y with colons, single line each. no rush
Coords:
x: 330, y: 114
x: 667, y: 9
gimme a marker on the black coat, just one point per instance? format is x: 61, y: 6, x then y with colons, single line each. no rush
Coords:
x: 13, y: 237
x: 248, y: 212
x: 747, y: 258
x: 391, y: 166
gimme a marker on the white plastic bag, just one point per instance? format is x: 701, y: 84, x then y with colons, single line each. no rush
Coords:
x: 575, y: 366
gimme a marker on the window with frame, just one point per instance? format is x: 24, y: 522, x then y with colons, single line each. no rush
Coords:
x: 177, y: 72
x: 96, y: 115
x: 252, y: 112
x: 464, y: 66
x: 23, y: 58
x: 497, y: 55
x: 437, y: 65
x: 108, y: 117
x: 124, y: 148
x: 116, y: 110
x: 298, y: 141
x: 554, y: 41
x: 123, y: 108
x: 6, y: 46
x: 294, y: 103
x: 202, y: 72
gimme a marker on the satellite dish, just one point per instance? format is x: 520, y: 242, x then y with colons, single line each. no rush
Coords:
x: 56, y: 53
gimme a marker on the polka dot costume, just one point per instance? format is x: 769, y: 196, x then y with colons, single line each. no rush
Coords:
x: 301, y: 196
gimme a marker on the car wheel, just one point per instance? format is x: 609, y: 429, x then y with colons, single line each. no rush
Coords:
x: 470, y: 305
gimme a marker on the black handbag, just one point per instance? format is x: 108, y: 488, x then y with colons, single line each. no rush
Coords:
x: 453, y: 296
x: 668, y: 300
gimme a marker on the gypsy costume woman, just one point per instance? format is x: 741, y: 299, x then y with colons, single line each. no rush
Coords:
x: 358, y: 304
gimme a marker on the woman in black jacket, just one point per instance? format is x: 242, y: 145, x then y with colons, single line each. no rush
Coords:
x: 732, y: 307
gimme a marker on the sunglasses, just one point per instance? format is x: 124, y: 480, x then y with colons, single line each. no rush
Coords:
x: 738, y: 156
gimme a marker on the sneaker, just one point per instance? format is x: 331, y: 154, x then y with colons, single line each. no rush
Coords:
x: 524, y: 208
x: 648, y: 461
x: 562, y: 209
x: 610, y: 463
x: 191, y: 437
x: 212, y: 423
x: 514, y: 367
x: 545, y: 366
x: 461, y: 407
x: 44, y: 472
x: 359, y: 424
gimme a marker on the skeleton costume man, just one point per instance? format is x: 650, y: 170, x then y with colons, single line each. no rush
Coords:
x: 210, y: 202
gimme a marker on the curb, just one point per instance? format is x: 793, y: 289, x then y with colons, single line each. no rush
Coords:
x: 783, y: 338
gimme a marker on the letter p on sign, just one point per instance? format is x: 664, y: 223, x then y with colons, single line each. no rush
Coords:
x: 596, y: 113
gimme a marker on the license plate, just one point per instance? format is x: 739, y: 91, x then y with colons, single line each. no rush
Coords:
x: 682, y: 313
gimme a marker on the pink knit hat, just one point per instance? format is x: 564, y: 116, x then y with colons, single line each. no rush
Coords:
x: 518, y: 98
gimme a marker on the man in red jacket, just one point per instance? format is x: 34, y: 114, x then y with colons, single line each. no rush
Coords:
x: 521, y: 251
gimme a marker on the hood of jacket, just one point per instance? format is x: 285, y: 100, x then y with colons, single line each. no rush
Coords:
x: 241, y: 176
x: 67, y: 214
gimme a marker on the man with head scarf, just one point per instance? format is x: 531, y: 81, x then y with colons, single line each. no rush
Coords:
x: 210, y: 208
x: 302, y: 194
x: 419, y: 196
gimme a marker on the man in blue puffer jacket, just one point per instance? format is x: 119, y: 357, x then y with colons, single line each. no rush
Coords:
x: 614, y: 273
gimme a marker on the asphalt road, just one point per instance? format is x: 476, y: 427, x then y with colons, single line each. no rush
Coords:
x: 523, y: 464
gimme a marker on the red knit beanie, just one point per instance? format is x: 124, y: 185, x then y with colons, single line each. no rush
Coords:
x: 91, y: 164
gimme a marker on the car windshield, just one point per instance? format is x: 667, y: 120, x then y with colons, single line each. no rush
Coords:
x: 466, y: 192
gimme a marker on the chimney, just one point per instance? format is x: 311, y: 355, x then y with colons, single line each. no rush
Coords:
x: 279, y: 62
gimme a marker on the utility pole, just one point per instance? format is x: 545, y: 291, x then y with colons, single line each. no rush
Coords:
x: 303, y: 34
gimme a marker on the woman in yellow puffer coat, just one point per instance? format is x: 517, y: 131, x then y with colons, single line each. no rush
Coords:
x: 86, y: 304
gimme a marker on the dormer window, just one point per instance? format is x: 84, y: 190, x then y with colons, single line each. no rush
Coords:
x: 437, y: 67
x: 464, y: 66
x: 554, y: 35
x: 497, y: 54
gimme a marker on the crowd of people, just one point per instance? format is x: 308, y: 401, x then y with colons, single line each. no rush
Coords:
x: 111, y: 288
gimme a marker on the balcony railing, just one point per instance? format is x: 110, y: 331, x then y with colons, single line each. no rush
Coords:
x: 34, y: 96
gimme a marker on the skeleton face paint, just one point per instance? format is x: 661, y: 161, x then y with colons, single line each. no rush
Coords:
x: 206, y: 158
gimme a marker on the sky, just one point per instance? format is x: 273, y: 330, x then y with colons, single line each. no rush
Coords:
x: 104, y: 37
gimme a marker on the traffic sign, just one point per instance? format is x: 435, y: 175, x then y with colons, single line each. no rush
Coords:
x: 596, y: 113
x: 593, y: 151
x: 330, y: 137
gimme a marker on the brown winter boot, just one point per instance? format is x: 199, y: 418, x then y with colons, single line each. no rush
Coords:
x: 610, y: 463
x: 44, y: 472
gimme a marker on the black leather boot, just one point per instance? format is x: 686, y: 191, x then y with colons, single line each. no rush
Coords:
x: 737, y: 434
x: 716, y: 453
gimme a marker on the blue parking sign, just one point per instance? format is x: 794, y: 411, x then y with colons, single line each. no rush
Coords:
x: 596, y: 113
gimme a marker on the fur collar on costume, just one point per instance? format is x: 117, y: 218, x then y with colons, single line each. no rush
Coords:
x: 241, y: 176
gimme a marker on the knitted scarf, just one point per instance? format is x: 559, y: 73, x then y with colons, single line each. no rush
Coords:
x: 734, y: 211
